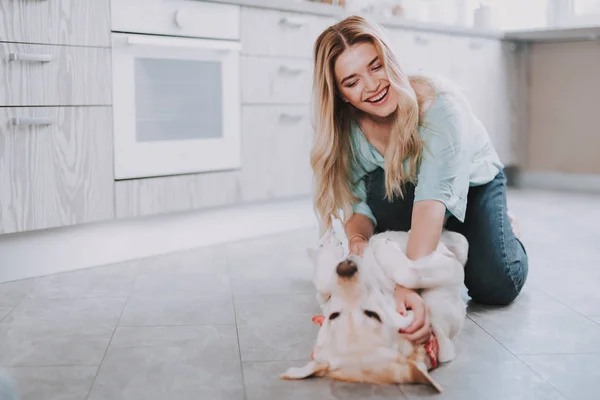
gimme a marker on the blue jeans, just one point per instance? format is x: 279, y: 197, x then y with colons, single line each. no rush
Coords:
x: 497, y: 266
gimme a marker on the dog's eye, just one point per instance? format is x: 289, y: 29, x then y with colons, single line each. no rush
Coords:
x: 372, y: 314
x: 334, y: 316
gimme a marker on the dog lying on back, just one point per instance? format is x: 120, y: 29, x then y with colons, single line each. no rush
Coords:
x: 359, y: 340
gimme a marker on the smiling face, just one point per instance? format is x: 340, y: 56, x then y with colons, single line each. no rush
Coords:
x: 362, y: 80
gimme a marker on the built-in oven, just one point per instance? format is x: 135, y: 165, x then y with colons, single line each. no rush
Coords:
x: 176, y: 87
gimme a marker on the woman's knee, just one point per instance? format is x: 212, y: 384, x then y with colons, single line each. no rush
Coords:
x: 498, y: 282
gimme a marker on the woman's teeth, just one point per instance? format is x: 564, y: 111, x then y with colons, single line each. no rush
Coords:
x: 378, y: 98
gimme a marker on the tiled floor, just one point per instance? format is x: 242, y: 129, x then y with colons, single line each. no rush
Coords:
x: 223, y: 322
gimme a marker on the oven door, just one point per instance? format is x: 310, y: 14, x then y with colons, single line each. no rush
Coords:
x: 176, y: 105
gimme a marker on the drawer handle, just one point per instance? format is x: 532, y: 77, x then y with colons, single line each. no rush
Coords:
x: 421, y: 40
x: 293, y: 22
x: 291, y: 117
x: 284, y: 69
x: 30, y: 57
x: 20, y: 121
x: 476, y: 44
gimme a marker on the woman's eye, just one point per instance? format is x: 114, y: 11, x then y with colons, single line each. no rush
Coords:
x: 372, y: 314
x: 334, y: 316
x: 351, y: 84
x: 377, y: 67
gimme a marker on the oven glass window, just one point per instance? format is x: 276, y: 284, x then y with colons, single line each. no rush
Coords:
x: 177, y: 99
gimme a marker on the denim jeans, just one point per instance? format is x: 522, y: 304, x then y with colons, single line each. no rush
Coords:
x: 497, y: 266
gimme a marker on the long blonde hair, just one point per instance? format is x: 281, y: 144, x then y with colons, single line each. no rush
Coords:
x: 332, y: 149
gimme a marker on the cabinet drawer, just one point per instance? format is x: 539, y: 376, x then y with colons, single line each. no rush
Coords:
x: 56, y: 168
x: 280, y: 33
x: 276, y: 80
x: 66, y: 22
x: 275, y: 152
x: 40, y: 75
x: 177, y: 18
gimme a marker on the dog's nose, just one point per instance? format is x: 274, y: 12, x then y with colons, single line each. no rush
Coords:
x: 346, y: 269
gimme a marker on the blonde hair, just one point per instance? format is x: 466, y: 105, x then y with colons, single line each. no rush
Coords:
x: 332, y: 149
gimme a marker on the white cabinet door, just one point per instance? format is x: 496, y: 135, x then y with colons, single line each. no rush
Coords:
x: 276, y: 152
x: 421, y: 52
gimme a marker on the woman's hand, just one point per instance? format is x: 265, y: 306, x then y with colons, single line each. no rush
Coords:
x: 357, y: 245
x: 419, y: 330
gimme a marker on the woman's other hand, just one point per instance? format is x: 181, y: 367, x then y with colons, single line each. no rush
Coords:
x: 419, y: 330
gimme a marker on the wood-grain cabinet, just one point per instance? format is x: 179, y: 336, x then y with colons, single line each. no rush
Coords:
x: 56, y: 164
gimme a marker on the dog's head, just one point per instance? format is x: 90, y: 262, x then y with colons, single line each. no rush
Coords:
x: 359, y: 339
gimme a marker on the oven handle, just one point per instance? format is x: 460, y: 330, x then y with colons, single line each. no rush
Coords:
x: 183, y: 42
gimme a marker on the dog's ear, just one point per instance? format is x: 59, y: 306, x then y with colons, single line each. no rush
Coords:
x: 420, y: 374
x: 313, y: 368
x: 457, y: 244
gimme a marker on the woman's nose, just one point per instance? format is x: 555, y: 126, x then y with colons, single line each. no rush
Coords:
x: 371, y: 84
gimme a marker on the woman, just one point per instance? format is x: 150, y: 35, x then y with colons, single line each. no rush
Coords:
x: 393, y: 152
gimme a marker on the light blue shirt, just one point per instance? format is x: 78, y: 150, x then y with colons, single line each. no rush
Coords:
x: 457, y: 153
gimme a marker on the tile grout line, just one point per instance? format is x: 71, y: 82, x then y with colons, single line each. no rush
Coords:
x: 540, y: 375
x: 113, y: 334
x: 518, y: 358
x: 237, y: 331
x: 566, y: 305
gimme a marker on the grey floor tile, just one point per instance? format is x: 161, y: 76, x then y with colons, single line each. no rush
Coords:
x: 202, y: 260
x: 58, y: 332
x: 530, y: 326
x: 278, y: 273
x: 262, y: 383
x: 577, y: 376
x: 484, y: 369
x: 200, y: 362
x: 11, y: 293
x: 178, y: 309
x: 273, y: 328
x: 53, y: 383
x: 109, y: 281
x: 168, y: 283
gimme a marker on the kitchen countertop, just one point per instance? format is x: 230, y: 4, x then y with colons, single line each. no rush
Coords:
x: 541, y: 35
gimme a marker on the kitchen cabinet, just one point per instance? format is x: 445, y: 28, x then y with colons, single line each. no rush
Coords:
x: 140, y: 197
x: 55, y: 167
x: 275, y: 152
x: 64, y: 22
x: 37, y: 75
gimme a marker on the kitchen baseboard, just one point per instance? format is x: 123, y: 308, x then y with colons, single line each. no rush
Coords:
x: 45, y: 252
x: 589, y: 183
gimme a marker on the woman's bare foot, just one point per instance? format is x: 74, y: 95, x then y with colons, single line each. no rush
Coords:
x: 514, y: 224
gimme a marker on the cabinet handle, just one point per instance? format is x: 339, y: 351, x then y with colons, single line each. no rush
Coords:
x: 284, y: 69
x: 421, y: 40
x: 30, y: 57
x: 293, y: 22
x: 20, y: 121
x: 290, y: 116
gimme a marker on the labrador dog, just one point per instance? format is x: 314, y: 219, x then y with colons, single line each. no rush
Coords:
x: 358, y: 340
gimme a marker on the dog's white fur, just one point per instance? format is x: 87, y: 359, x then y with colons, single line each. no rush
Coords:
x: 383, y: 266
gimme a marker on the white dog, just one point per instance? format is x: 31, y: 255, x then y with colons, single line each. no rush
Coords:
x: 359, y: 339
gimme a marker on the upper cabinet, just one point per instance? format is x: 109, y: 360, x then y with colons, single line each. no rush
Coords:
x: 65, y: 22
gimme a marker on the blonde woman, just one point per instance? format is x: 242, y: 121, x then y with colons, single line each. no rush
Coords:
x: 393, y: 152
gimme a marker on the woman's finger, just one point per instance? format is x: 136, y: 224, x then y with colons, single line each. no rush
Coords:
x: 422, y: 335
x: 419, y: 315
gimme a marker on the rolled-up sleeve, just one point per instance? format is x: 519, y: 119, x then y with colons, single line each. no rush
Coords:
x: 444, y: 170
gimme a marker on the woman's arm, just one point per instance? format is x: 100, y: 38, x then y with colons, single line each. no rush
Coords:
x: 426, y: 228
x: 361, y: 225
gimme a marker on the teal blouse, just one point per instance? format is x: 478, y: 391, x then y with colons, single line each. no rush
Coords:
x: 457, y: 153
